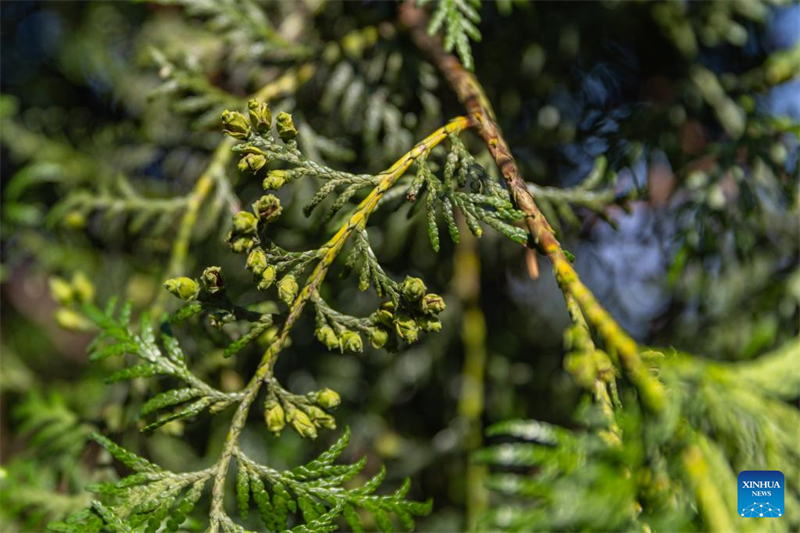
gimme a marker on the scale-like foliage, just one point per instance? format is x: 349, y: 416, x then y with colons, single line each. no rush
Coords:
x: 487, y: 201
x: 663, y: 467
x: 458, y: 19
x: 367, y: 86
x: 52, y: 425
x: 311, y: 496
x: 118, y: 338
x: 661, y: 436
x: 313, y: 492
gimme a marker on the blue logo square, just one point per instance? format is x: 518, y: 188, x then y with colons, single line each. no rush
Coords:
x: 761, y: 494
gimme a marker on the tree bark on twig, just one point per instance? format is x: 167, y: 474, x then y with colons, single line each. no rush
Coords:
x: 472, y: 96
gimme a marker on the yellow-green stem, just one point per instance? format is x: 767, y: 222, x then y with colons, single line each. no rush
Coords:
x: 471, y: 402
x: 710, y: 502
x: 599, y: 388
x: 615, y: 338
x: 471, y: 94
x: 331, y: 249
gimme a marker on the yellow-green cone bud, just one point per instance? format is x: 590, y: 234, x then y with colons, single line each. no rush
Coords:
x: 252, y: 163
x: 378, y: 337
x: 432, y: 304
x: 75, y: 220
x: 61, y: 290
x: 267, y: 278
x: 72, y: 320
x: 285, y: 126
x: 244, y: 223
x: 384, y: 317
x: 260, y: 115
x: 275, y: 180
x: 240, y: 245
x: 406, y: 328
x: 212, y: 280
x: 235, y: 125
x: 82, y: 287
x: 328, y: 398
x: 275, y: 417
x: 267, y: 208
x: 287, y: 289
x: 327, y: 336
x: 385, y: 314
x: 320, y: 418
x: 350, y: 342
x: 256, y: 261
x: 302, y: 425
x: 429, y: 324
x: 413, y: 289
x: 184, y: 288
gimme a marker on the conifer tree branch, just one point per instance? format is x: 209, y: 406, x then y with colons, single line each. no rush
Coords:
x: 329, y: 252
x: 712, y: 505
x: 215, y: 171
x: 602, y: 386
x: 625, y: 467
x: 574, y: 195
x: 473, y: 97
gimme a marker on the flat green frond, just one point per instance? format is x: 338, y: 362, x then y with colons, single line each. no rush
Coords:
x: 318, y: 492
x: 129, y: 459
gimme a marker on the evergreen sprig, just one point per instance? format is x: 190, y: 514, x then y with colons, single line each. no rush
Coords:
x: 312, y: 496
x: 658, y: 424
x: 409, y: 310
x: 144, y: 500
x: 706, y: 420
x: 487, y: 201
x: 459, y: 19
x: 317, y: 489
x: 312, y: 491
x: 118, y: 338
x: 53, y: 427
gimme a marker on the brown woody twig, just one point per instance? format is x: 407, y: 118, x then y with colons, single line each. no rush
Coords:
x: 473, y: 97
